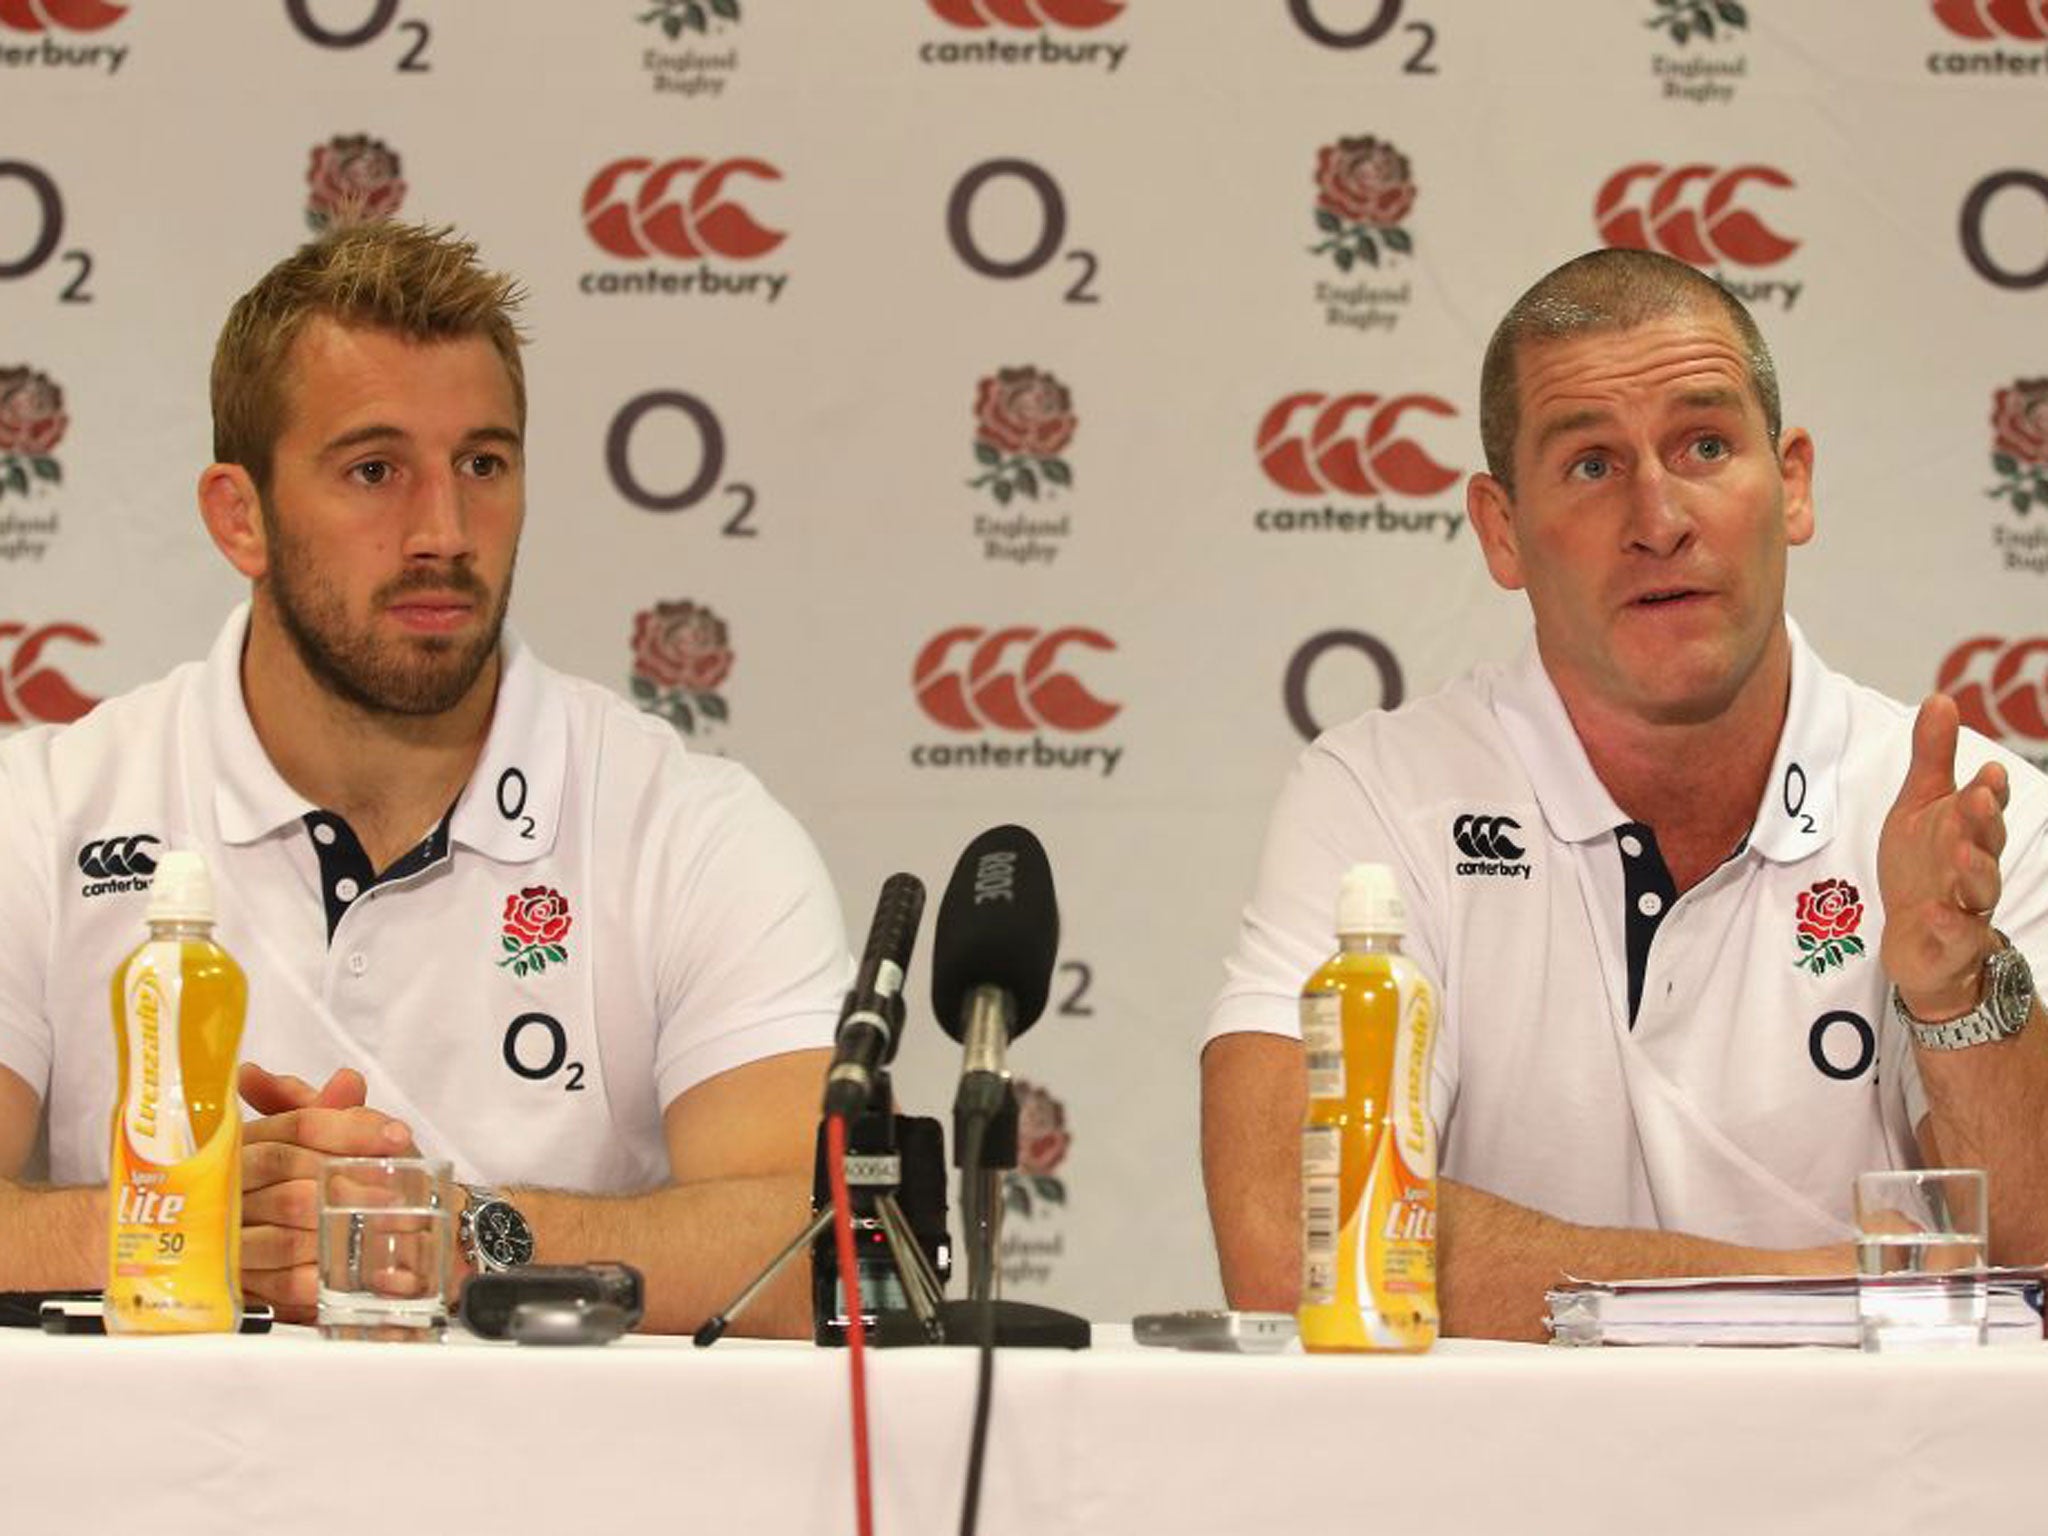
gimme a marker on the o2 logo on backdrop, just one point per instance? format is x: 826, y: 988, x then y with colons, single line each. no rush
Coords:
x: 31, y: 190
x: 32, y: 690
x: 2001, y: 689
x: 376, y: 18
x: 1308, y: 15
x: 1319, y: 650
x: 661, y: 413
x: 1042, y: 249
x: 1992, y: 192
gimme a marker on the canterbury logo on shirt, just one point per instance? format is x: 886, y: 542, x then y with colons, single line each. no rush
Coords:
x: 1490, y: 848
x: 116, y: 864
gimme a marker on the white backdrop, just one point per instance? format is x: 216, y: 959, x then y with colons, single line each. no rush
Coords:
x: 1147, y: 174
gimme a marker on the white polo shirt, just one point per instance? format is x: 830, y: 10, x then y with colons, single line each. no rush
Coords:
x: 703, y: 932
x: 1752, y: 1076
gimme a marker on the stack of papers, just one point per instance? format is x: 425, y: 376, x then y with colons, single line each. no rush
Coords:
x: 1758, y: 1310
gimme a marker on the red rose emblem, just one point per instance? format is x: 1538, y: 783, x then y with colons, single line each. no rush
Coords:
x: 354, y: 179
x: 1364, y: 181
x: 537, y: 915
x: 681, y: 645
x: 1042, y: 1138
x: 1024, y: 410
x: 1833, y: 909
x: 32, y: 416
x: 2019, y: 417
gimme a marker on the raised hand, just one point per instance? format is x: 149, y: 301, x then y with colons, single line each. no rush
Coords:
x: 1937, y: 867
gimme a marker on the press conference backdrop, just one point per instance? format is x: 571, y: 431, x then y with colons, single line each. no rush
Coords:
x: 1037, y: 410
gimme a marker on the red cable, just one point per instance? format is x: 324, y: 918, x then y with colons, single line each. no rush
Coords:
x: 856, y: 1325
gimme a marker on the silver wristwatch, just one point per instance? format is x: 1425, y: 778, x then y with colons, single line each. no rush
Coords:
x: 2007, y: 1004
x: 492, y: 1233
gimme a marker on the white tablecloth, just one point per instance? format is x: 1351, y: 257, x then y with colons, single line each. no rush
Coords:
x: 287, y: 1433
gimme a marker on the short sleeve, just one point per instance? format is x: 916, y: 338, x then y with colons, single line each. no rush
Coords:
x: 26, y: 1045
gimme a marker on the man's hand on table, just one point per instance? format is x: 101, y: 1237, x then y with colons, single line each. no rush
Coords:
x: 298, y: 1126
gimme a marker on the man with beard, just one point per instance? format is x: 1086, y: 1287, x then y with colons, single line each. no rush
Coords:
x: 1714, y: 925
x: 496, y: 914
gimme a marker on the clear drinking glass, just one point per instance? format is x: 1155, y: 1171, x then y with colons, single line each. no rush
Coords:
x: 385, y: 1243
x: 1923, y: 1237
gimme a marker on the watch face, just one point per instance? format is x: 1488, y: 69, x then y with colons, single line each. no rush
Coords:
x: 502, y: 1235
x: 2011, y: 989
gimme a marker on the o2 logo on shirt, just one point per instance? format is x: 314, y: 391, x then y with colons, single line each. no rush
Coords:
x: 537, y: 1049
x: 1842, y: 1045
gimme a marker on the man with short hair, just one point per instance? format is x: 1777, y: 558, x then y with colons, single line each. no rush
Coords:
x: 1713, y: 924
x: 499, y: 916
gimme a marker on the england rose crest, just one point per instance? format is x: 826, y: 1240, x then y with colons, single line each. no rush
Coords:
x: 1829, y: 915
x: 353, y: 179
x: 535, y: 923
x: 1023, y: 418
x: 2019, y: 443
x: 32, y: 423
x: 675, y: 17
x: 1364, y: 189
x: 1042, y: 1142
x: 1686, y: 19
x: 681, y: 653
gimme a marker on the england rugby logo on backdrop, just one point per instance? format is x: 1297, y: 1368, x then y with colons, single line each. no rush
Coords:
x: 32, y: 424
x: 352, y: 179
x: 2019, y: 444
x: 1042, y: 1143
x: 684, y: 70
x: 682, y: 652
x: 1365, y: 191
x: 1829, y: 914
x: 1023, y: 421
x: 1706, y: 67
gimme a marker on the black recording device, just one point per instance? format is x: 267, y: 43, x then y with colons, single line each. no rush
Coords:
x: 553, y: 1303
x: 903, y: 1156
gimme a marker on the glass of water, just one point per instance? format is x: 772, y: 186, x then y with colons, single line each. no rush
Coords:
x: 386, y: 1239
x: 1922, y: 1239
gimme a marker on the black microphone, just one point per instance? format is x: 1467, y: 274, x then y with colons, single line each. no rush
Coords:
x: 872, y: 1016
x: 993, y: 946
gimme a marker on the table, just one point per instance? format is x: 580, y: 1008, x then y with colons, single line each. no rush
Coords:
x: 290, y: 1433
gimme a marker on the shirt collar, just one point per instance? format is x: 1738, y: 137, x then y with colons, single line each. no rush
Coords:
x: 510, y: 809
x: 1799, y: 808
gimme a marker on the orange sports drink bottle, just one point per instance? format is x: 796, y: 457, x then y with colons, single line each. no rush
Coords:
x: 1368, y: 1146
x: 174, y: 1193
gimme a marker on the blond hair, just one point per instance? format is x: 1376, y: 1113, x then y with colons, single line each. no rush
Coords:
x: 422, y: 283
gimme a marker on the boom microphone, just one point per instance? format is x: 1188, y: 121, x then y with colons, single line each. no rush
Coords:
x: 871, y: 1020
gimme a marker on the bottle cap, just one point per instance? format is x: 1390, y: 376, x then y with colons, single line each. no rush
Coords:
x: 182, y: 891
x: 1370, y: 902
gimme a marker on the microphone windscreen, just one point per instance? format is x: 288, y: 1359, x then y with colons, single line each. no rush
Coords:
x: 893, y: 934
x: 998, y: 926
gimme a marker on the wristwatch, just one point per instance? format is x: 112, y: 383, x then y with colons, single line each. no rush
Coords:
x: 2007, y: 1003
x: 493, y: 1234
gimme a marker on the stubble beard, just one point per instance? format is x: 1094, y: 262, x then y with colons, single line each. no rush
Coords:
x: 415, y: 677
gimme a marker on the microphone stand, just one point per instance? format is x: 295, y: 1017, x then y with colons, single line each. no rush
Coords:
x: 876, y: 1154
x: 984, y: 1148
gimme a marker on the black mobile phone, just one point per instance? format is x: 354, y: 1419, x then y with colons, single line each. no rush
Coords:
x: 24, y: 1309
x: 85, y: 1312
x: 489, y: 1302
